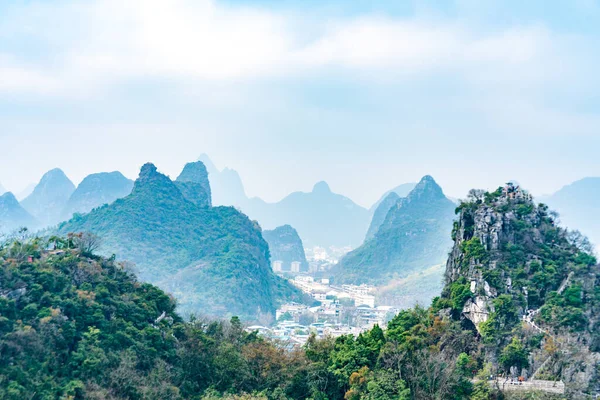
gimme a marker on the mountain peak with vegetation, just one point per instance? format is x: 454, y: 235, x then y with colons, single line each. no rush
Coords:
x: 414, y: 235
x: 213, y: 259
x: 96, y: 190
x: 401, y: 190
x: 380, y: 213
x: 155, y: 188
x: 286, y: 246
x: 427, y: 189
x: 521, y: 282
x: 47, y: 201
x: 193, y: 183
x: 75, y: 325
x: 12, y: 215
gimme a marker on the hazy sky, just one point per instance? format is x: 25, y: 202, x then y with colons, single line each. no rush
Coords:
x: 363, y: 94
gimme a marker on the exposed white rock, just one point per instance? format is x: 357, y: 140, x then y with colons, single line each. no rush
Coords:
x: 478, y: 310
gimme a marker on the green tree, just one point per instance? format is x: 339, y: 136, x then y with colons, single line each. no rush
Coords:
x: 514, y: 355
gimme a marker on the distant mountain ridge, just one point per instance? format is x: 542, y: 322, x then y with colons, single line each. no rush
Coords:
x: 380, y: 213
x: 226, y: 185
x: 96, y: 190
x: 213, y: 259
x: 401, y: 190
x: 2, y: 190
x: 13, y: 215
x: 25, y: 192
x: 321, y: 217
x: 579, y: 206
x: 49, y: 198
x: 415, y: 234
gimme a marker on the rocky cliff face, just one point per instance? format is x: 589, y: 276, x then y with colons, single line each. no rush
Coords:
x: 285, y: 245
x: 193, y: 183
x: 513, y: 276
x: 484, y: 233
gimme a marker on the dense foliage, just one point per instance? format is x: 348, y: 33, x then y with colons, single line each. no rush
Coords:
x: 415, y: 234
x: 74, y: 326
x: 211, y: 259
x: 532, y: 284
x: 77, y: 326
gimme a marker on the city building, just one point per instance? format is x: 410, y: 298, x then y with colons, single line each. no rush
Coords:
x: 277, y: 266
x: 296, y: 266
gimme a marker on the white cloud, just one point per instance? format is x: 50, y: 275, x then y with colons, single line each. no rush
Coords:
x: 114, y: 41
x: 17, y: 78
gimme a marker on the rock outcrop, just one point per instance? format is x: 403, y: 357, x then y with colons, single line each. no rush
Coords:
x: 286, y: 246
x: 194, y: 185
x: 527, y: 288
x: 481, y: 236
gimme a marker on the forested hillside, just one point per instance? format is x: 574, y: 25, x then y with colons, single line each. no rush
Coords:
x: 521, y: 298
x: 528, y: 289
x: 213, y: 259
x: 414, y: 235
x: 78, y: 326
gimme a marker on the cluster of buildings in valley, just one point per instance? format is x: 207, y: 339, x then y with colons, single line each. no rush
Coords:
x: 327, y: 294
x: 322, y: 259
x: 343, y: 310
x: 277, y: 265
